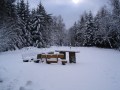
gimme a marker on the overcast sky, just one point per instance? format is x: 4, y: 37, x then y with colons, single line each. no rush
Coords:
x: 70, y: 10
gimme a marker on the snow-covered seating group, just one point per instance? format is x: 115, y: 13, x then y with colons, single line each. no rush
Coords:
x: 51, y: 58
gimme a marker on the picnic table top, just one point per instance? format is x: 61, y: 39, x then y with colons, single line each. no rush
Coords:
x: 52, y: 54
x: 67, y: 51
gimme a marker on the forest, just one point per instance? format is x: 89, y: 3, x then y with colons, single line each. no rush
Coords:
x: 22, y: 27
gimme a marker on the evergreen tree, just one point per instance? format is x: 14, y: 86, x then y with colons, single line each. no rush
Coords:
x: 27, y: 24
x: 116, y: 7
x: 57, y: 31
x: 45, y: 22
x: 115, y: 22
x: 97, y: 37
x: 73, y: 33
x: 40, y: 26
x: 81, y: 31
x: 9, y: 36
x: 105, y: 31
x: 24, y: 21
x: 27, y: 11
x: 89, y: 30
x: 22, y: 10
x: 37, y: 38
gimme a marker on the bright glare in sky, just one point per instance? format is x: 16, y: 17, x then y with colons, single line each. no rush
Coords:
x: 76, y: 1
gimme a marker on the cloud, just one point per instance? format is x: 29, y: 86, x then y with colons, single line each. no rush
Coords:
x: 69, y: 11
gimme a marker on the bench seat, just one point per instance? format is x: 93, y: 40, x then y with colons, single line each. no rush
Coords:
x: 48, y: 62
x: 52, y: 60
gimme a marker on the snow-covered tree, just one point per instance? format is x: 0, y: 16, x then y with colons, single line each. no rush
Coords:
x: 7, y: 9
x: 83, y: 31
x: 40, y: 27
x: 22, y: 10
x: 80, y: 31
x: 106, y: 29
x: 57, y: 31
x: 89, y: 30
x: 74, y: 34
x: 7, y: 25
x: 23, y: 13
x: 36, y: 32
x: 115, y: 22
x: 116, y: 7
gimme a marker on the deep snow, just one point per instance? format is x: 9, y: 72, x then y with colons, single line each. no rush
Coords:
x: 96, y: 69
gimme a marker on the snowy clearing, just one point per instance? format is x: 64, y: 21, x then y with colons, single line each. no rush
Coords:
x: 96, y: 69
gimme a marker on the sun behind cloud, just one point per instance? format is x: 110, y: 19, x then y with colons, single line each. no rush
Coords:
x: 77, y: 1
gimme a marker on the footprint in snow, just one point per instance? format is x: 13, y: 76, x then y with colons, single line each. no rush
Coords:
x: 27, y: 86
x: 28, y: 83
x: 24, y: 88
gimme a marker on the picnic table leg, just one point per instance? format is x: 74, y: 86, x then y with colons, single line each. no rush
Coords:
x: 47, y: 60
x: 72, y: 57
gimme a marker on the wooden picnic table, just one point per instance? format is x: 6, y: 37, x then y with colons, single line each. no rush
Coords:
x: 52, y: 58
x: 72, y: 55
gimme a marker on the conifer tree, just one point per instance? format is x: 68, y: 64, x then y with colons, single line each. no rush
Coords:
x: 40, y: 26
x: 57, y: 31
x: 89, y: 30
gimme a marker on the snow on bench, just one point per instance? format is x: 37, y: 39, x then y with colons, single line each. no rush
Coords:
x: 53, y: 58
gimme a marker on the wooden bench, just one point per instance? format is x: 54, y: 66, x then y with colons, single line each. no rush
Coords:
x: 53, y: 58
x: 51, y: 61
x: 50, y: 58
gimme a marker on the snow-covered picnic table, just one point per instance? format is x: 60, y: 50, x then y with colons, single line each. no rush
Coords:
x: 52, y: 58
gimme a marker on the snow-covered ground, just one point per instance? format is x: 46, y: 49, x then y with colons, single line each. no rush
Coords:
x: 96, y: 69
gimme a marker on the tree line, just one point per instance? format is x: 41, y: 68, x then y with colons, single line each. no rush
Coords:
x: 21, y: 27
x: 100, y: 30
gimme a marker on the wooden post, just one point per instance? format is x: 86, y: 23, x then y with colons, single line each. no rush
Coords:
x: 72, y: 57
